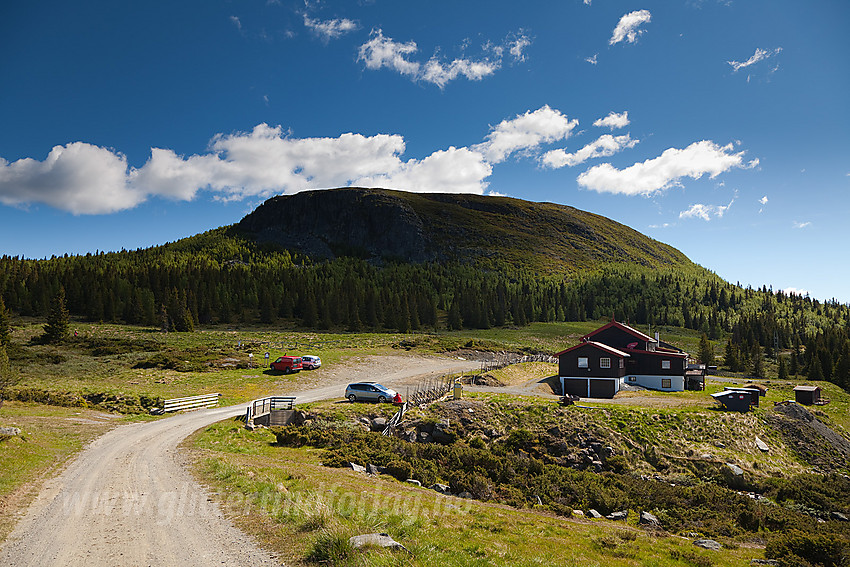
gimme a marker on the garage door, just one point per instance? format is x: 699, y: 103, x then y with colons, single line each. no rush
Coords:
x: 576, y: 387
x: 602, y: 388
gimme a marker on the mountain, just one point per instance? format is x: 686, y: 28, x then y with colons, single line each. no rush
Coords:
x: 488, y: 232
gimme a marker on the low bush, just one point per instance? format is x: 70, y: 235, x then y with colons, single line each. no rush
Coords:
x: 807, y: 548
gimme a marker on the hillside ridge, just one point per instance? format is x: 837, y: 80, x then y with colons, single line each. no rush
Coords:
x: 481, y: 230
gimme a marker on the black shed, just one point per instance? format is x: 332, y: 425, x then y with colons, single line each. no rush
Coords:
x: 807, y: 395
x: 736, y: 400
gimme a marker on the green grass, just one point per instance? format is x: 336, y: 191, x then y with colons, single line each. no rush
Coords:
x: 301, y: 509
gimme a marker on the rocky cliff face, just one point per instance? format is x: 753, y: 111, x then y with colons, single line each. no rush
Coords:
x: 343, y: 222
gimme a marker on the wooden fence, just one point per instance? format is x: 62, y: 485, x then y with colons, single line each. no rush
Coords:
x: 192, y: 402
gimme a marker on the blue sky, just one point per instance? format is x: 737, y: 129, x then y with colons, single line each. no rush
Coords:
x: 719, y: 127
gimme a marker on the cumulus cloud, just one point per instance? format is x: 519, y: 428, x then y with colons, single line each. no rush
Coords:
x: 763, y: 200
x: 384, y: 52
x: 802, y: 224
x: 656, y: 175
x: 264, y: 162
x: 329, y: 29
x: 604, y: 146
x: 796, y: 291
x: 525, y: 131
x: 705, y: 212
x: 627, y: 28
x: 86, y: 179
x: 77, y: 177
x: 613, y: 121
x: 759, y: 55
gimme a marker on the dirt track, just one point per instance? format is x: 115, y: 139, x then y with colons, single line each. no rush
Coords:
x: 128, y: 500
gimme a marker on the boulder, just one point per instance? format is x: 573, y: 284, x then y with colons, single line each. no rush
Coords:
x: 622, y: 515
x: 9, y: 431
x: 735, y: 469
x: 578, y: 513
x: 357, y: 468
x: 376, y: 540
x: 594, y: 514
x: 464, y: 494
x: 372, y: 469
x: 838, y: 516
x: 441, y: 488
x: 414, y: 482
x: 708, y: 544
x: 648, y: 519
x: 379, y: 424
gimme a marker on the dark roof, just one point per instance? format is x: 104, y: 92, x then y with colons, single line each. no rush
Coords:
x: 600, y: 346
x: 634, y: 332
x: 658, y: 353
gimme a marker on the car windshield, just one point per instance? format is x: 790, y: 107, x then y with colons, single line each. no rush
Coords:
x: 380, y: 387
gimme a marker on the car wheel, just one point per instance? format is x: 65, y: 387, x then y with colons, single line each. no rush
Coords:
x: 352, y: 398
x: 381, y: 399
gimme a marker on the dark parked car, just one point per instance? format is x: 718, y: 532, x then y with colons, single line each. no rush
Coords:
x: 370, y: 392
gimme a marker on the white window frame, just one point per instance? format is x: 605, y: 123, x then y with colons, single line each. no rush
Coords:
x: 583, y: 362
x: 604, y: 363
x: 665, y: 365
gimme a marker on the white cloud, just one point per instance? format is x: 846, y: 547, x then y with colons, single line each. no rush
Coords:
x: 796, y: 291
x: 763, y: 200
x: 78, y: 177
x: 658, y: 174
x: 604, y: 146
x: 236, y: 22
x: 381, y: 51
x: 802, y: 224
x: 330, y: 29
x: 517, y: 46
x: 705, y: 212
x: 592, y: 60
x: 759, y: 55
x: 627, y: 28
x: 266, y: 162
x: 525, y: 131
x: 86, y: 179
x: 613, y: 121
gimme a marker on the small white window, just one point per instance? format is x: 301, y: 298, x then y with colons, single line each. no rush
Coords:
x: 622, y: 363
x: 665, y: 365
x: 582, y: 362
x: 604, y: 363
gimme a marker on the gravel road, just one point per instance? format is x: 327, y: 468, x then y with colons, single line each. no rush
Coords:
x: 128, y: 499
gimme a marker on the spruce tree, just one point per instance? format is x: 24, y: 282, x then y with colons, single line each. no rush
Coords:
x: 783, y: 370
x: 706, y: 351
x: 758, y: 361
x: 56, y: 329
x: 7, y: 377
x: 5, y: 331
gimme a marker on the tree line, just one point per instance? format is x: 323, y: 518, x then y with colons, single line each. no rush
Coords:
x: 220, y: 278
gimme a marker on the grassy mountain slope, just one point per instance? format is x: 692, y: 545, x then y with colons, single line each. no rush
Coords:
x: 488, y: 232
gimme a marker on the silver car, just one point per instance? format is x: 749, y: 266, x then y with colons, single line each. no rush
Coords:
x: 369, y: 392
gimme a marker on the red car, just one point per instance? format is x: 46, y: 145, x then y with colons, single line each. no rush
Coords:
x: 287, y: 364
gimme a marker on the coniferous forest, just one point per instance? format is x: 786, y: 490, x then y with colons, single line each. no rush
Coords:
x: 221, y: 278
